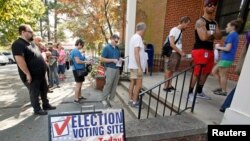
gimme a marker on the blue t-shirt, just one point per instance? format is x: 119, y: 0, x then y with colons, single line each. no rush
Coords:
x: 110, y: 52
x: 232, y: 38
x: 76, y: 53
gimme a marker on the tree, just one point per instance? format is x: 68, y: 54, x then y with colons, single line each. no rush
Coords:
x: 15, y: 12
x: 93, y: 20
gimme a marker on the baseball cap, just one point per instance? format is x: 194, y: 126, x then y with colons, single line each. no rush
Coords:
x: 206, y: 2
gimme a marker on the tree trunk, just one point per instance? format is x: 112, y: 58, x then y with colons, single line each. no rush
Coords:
x: 41, y: 27
x: 106, y: 16
x: 55, y: 26
x: 48, y: 21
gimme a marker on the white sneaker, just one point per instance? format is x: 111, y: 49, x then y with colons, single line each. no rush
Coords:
x: 191, y: 98
x: 202, y: 95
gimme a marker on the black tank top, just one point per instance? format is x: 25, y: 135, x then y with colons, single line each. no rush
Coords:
x: 208, y: 45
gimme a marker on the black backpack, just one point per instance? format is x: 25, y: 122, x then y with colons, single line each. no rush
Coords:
x: 167, y: 49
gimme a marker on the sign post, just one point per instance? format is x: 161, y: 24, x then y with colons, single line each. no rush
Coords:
x: 105, y: 125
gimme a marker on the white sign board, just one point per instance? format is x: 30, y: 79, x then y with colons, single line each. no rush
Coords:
x: 107, y: 125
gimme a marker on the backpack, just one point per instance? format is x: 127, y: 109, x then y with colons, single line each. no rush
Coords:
x: 167, y: 49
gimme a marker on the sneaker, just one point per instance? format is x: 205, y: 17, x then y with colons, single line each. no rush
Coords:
x: 106, y: 104
x: 202, y: 95
x: 191, y: 98
x: 130, y: 101
x: 217, y: 90
x: 76, y: 101
x: 221, y: 93
x: 82, y: 98
x: 136, y: 105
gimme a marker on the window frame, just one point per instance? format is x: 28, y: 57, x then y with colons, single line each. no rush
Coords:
x: 243, y: 13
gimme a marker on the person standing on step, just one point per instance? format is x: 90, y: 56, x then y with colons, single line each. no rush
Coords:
x: 111, y: 57
x: 136, y: 65
x: 206, y: 31
x: 227, y: 56
x: 175, y: 39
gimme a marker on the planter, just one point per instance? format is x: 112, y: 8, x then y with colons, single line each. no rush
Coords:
x: 99, y: 82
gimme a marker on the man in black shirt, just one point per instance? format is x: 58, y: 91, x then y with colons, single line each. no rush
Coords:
x: 206, y: 31
x: 32, y: 69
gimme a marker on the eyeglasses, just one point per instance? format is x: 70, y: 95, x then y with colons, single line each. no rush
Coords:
x: 212, y: 4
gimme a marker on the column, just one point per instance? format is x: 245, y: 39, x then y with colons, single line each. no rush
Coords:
x: 239, y: 112
x: 130, y: 27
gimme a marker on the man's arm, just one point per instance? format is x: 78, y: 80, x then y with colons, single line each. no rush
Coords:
x: 172, y: 44
x: 137, y: 58
x: 200, y: 26
x: 23, y: 66
x: 218, y: 34
x: 78, y: 61
x: 107, y: 60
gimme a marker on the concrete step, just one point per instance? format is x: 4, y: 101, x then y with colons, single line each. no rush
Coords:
x: 122, y: 94
x: 153, y: 104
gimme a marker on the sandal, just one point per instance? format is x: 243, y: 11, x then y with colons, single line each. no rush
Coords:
x: 81, y: 97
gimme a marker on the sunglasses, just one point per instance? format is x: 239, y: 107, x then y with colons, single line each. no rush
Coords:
x: 116, y: 41
x: 212, y: 4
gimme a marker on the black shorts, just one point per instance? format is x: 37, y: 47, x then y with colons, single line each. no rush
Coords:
x: 78, y: 79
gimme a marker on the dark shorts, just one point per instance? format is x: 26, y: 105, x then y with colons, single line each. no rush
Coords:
x: 78, y: 79
x: 202, y: 56
x: 61, y: 69
x: 174, y: 61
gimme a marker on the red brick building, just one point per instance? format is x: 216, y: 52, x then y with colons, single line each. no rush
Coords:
x: 161, y: 15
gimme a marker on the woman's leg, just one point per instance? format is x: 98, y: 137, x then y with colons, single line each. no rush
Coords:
x: 223, y: 78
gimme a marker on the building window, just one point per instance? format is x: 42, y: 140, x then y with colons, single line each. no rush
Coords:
x: 228, y: 10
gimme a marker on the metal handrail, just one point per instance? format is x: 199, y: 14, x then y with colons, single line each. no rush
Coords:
x: 157, y: 97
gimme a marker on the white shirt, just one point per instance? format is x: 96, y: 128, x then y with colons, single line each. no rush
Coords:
x: 135, y: 41
x: 175, y: 32
x: 144, y: 61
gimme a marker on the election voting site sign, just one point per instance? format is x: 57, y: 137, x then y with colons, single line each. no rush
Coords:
x: 106, y: 125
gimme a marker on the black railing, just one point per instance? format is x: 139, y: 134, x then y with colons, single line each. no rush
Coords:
x: 165, y: 102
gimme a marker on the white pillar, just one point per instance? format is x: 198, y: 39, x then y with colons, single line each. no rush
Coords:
x: 130, y: 27
x: 239, y: 112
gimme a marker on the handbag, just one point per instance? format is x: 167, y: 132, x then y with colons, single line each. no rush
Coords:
x: 81, y: 72
x: 167, y: 49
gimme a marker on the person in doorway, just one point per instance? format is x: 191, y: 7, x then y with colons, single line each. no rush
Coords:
x: 206, y: 31
x: 177, y: 52
x: 32, y: 69
x: 136, y: 56
x: 228, y: 54
x: 111, y: 56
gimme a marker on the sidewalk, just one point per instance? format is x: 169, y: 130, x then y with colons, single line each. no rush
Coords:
x: 16, y: 115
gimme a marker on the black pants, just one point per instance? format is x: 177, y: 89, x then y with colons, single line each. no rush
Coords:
x: 38, y: 87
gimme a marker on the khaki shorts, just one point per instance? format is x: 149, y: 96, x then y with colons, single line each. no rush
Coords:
x: 166, y: 59
x: 174, y: 61
x: 134, y: 74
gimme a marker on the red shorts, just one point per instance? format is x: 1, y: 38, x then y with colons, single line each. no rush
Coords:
x: 202, y: 56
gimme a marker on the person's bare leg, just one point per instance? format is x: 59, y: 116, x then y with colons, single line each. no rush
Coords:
x: 78, y: 90
x: 223, y: 80
x: 169, y: 74
x: 215, y: 73
x: 131, y: 88
x: 165, y: 78
x: 138, y: 85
